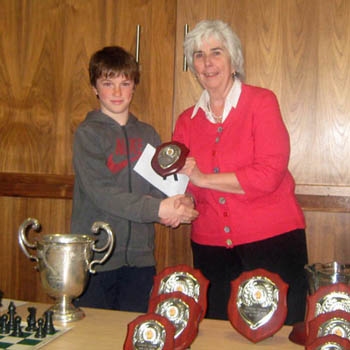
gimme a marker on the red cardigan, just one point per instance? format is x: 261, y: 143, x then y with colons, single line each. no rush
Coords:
x: 253, y: 143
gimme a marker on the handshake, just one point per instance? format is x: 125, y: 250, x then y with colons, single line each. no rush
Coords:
x: 177, y: 210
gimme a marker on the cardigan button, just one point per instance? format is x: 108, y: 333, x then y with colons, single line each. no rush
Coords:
x: 222, y: 200
x: 216, y: 170
x: 220, y: 128
x: 229, y: 242
x: 217, y: 139
x: 227, y: 229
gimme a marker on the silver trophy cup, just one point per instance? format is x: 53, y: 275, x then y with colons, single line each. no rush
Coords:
x: 64, y: 262
x: 325, y: 274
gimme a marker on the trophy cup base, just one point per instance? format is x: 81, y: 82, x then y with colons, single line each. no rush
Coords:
x: 66, y: 313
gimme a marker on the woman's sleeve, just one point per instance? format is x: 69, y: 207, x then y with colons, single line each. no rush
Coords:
x: 180, y: 133
x: 271, y: 149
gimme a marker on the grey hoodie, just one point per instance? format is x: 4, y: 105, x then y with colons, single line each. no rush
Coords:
x: 107, y: 188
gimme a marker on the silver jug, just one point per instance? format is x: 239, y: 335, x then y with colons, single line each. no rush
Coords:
x: 64, y: 262
x: 320, y: 274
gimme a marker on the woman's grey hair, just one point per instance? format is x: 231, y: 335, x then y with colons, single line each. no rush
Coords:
x: 220, y: 31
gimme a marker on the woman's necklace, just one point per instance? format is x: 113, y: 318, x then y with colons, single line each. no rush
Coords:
x: 218, y: 120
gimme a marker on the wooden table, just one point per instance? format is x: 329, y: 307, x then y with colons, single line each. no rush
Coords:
x: 105, y: 330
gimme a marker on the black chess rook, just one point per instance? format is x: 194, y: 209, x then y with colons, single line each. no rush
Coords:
x: 48, y: 325
x: 31, y: 320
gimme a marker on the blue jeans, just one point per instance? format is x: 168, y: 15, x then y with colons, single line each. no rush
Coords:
x: 126, y: 289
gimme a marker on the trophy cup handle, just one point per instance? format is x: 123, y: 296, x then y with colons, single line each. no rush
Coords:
x: 96, y: 227
x: 22, y: 239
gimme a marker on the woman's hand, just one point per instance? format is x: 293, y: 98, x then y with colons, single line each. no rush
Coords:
x: 192, y: 171
x: 224, y: 182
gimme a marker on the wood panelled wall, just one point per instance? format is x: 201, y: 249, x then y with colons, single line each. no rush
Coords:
x: 298, y: 48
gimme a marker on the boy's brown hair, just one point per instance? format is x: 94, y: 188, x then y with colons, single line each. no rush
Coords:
x: 112, y: 61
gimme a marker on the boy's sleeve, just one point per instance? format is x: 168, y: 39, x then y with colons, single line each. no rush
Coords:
x: 156, y: 141
x: 97, y: 182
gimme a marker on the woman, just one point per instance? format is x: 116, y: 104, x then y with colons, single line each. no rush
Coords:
x: 249, y: 217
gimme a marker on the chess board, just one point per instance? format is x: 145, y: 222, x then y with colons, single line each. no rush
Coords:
x: 28, y: 340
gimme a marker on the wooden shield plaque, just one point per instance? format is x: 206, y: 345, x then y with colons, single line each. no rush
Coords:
x: 185, y: 279
x: 257, y: 306
x: 326, y: 299
x: 151, y: 332
x: 169, y: 158
x: 331, y: 323
x: 182, y: 311
x: 329, y: 342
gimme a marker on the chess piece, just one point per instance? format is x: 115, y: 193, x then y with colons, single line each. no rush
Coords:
x: 3, y: 324
x: 40, y: 333
x: 11, y: 319
x: 17, y: 332
x: 48, y: 325
x: 31, y: 320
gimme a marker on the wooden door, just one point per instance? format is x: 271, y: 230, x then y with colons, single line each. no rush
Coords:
x: 300, y: 50
x: 44, y: 95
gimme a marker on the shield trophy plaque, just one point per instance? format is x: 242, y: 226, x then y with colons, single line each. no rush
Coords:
x: 327, y: 299
x: 169, y: 158
x: 319, y: 275
x: 150, y: 332
x: 329, y: 342
x: 331, y: 323
x: 185, y: 279
x: 257, y: 307
x: 182, y: 311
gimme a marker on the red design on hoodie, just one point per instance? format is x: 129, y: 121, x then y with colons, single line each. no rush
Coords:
x: 121, y: 150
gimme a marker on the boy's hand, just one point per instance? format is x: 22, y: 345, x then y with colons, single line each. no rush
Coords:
x: 187, y: 200
x: 177, y: 210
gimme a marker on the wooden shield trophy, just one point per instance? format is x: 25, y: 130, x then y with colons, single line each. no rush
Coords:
x: 329, y: 342
x: 185, y: 279
x: 182, y: 311
x: 331, y: 323
x: 326, y: 299
x: 150, y: 331
x: 257, y: 306
x: 169, y: 158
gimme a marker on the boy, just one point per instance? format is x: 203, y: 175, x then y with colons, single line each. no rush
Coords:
x: 106, y: 146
